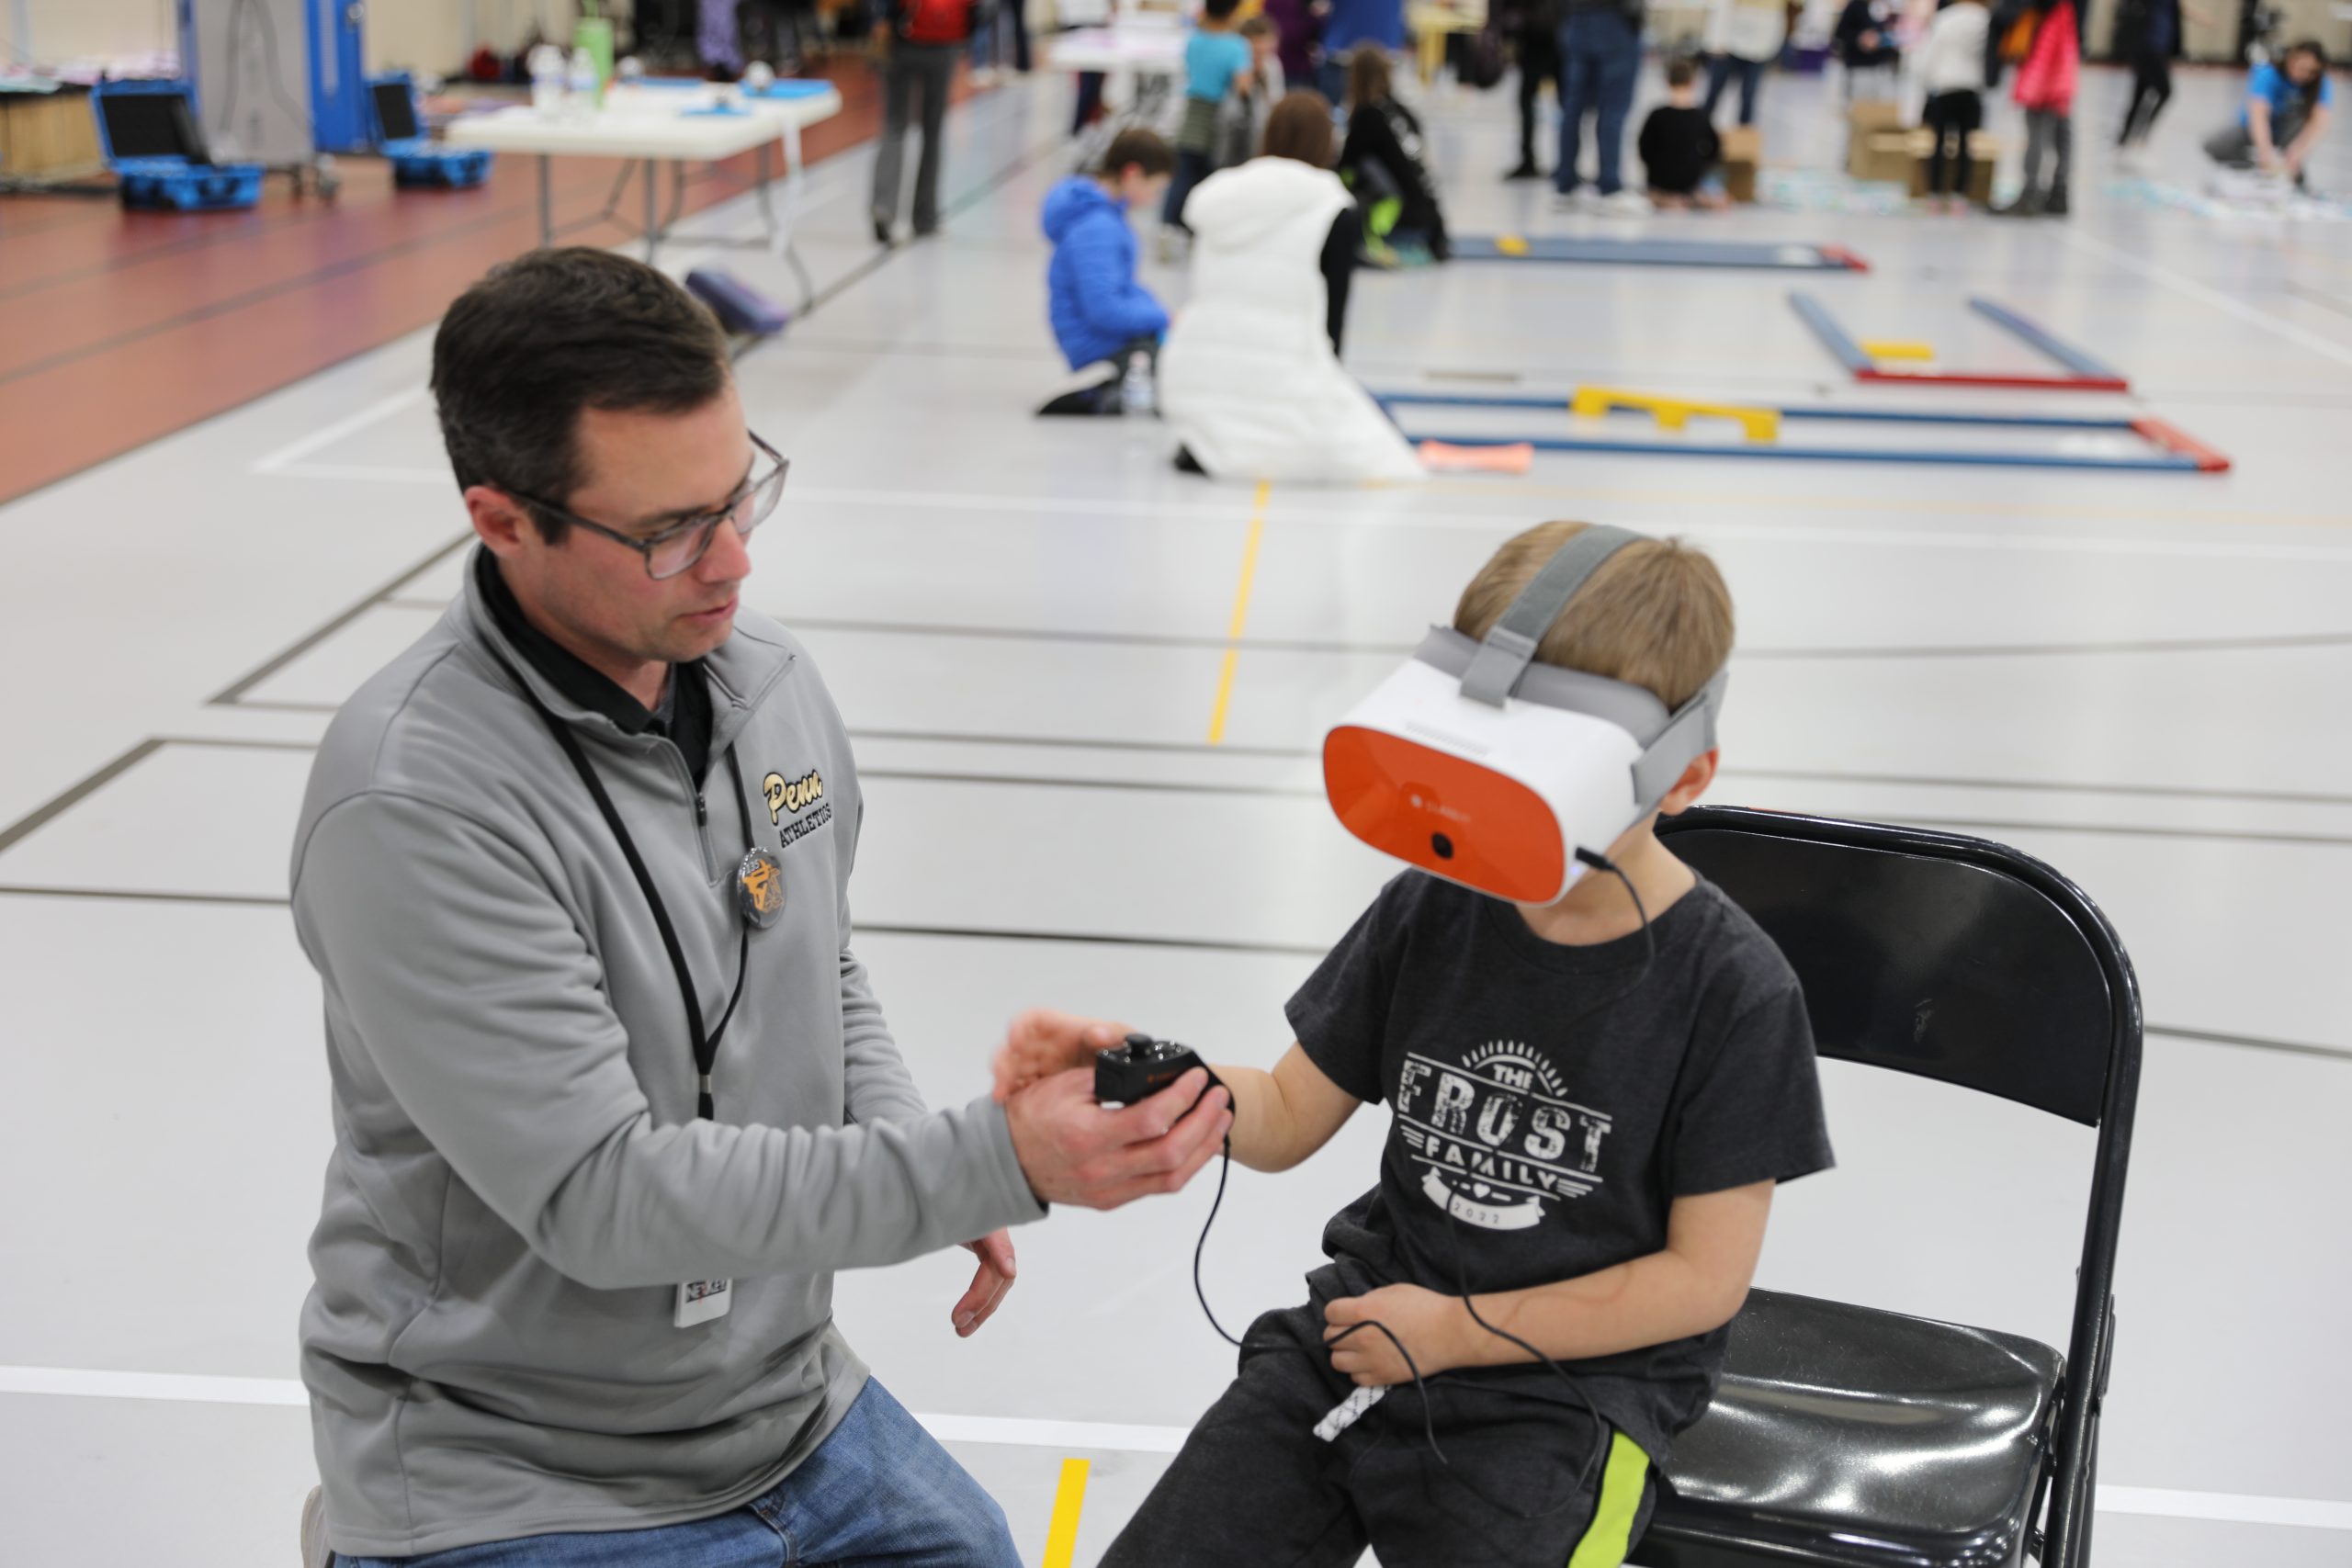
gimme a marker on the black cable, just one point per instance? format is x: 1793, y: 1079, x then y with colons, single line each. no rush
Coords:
x: 1602, y: 1432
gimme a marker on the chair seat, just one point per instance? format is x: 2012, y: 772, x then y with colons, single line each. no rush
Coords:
x: 1860, y: 1439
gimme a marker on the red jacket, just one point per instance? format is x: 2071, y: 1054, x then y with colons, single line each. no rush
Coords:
x: 2046, y: 78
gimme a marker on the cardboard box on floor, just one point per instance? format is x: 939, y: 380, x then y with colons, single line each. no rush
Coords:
x: 1885, y: 156
x: 1743, y: 155
x: 1865, y: 119
x: 1982, y: 149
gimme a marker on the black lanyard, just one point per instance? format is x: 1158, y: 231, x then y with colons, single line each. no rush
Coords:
x: 705, y: 1043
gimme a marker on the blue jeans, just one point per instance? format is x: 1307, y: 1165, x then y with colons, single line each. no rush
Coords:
x: 1601, y: 58
x: 877, y: 1492
x: 1720, y: 71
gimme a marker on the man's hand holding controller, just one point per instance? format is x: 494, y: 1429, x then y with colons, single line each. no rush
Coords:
x: 1071, y: 1148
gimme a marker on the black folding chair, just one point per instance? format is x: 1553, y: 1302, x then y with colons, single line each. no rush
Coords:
x: 1859, y: 1438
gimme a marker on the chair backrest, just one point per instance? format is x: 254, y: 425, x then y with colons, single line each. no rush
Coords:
x: 1947, y: 957
x: 1966, y: 961
x: 394, y: 100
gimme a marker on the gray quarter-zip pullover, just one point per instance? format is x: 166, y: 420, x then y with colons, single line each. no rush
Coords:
x: 519, y: 1183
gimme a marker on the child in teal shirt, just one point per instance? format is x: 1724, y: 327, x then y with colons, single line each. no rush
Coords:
x: 1218, y: 60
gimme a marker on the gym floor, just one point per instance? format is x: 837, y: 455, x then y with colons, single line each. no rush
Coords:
x: 1088, y: 692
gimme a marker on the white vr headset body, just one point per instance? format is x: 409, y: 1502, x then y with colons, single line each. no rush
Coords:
x: 1481, y: 767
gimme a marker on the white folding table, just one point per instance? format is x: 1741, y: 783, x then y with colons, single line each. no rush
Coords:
x: 653, y: 125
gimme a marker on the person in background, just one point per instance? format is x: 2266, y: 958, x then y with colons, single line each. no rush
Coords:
x: 1533, y: 26
x: 1600, y: 59
x: 1348, y: 22
x: 918, y: 43
x: 1218, y: 60
x: 1951, y: 66
x: 2045, y: 90
x: 1865, y: 38
x: 1100, y: 313
x: 1678, y: 145
x: 1250, y: 376
x: 1743, y: 37
x: 1241, y: 118
x: 2148, y: 34
x: 1297, y: 25
x: 2285, y: 113
x: 1381, y: 161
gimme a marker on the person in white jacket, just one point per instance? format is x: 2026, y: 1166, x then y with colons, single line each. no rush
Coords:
x: 1743, y: 37
x: 1249, y: 377
x: 1951, y: 67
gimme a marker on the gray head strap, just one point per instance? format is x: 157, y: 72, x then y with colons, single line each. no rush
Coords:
x: 1509, y: 648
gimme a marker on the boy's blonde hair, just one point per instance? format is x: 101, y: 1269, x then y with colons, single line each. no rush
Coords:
x: 1656, y: 614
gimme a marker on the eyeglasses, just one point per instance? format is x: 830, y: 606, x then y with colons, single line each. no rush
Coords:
x: 676, y: 549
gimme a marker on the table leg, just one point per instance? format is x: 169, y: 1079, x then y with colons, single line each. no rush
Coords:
x: 652, y: 210
x: 795, y: 175
x: 546, y: 206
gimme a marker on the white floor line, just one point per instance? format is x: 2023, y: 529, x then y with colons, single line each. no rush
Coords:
x: 2326, y: 347
x: 384, y: 408
x: 2232, y: 1508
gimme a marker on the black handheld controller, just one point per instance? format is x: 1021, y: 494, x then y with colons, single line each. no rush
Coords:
x: 1140, y: 1067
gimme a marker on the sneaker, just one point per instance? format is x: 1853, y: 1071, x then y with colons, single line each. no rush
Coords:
x: 315, y: 1530
x: 2055, y: 205
x: 1526, y: 170
x: 882, y: 232
x: 1626, y: 204
x: 984, y: 76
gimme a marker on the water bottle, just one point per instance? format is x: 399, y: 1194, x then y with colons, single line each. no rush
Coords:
x: 547, y: 81
x: 1135, y: 397
x: 584, y: 82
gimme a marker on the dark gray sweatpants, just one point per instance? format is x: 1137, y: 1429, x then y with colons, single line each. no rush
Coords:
x: 1254, y: 1486
x: 928, y: 69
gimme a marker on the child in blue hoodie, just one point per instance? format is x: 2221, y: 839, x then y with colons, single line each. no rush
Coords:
x: 1100, y: 313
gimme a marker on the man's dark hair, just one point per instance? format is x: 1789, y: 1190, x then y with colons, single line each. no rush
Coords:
x: 1219, y: 10
x: 1142, y: 148
x: 1680, y: 71
x: 546, y: 335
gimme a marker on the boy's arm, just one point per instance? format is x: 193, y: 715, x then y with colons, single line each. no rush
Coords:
x: 1692, y: 1286
x: 1108, y: 295
x: 1279, y: 1118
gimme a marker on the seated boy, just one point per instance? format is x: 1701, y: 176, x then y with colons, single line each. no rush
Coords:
x: 1585, y: 1137
x: 1098, y: 310
x: 1679, y: 148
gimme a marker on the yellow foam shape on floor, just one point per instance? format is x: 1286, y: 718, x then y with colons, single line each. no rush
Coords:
x: 1675, y: 413
x: 1897, y: 348
x: 1511, y: 245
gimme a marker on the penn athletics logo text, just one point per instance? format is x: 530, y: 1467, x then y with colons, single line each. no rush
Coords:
x: 1498, y: 1136
x: 797, y: 795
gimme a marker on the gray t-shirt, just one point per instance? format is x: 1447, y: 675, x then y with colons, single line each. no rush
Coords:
x: 1556, y: 1108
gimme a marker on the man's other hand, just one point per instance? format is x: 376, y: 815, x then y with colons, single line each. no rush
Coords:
x: 1074, y: 1151
x: 990, y: 1284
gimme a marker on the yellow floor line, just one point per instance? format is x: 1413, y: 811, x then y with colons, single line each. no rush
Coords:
x: 1240, y: 614
x: 1062, y: 1536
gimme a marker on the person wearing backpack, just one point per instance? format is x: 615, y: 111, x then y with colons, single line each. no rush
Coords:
x: 918, y: 42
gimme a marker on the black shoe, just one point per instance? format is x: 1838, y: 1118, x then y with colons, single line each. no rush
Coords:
x: 882, y: 232
x: 1102, y: 397
x: 1188, y: 464
x: 2055, y: 206
x: 1525, y: 171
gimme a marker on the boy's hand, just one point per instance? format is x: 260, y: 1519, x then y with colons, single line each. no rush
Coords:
x: 1042, y: 1043
x: 1433, y: 1328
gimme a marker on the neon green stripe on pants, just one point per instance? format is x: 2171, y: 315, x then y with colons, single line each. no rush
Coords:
x: 1622, y: 1480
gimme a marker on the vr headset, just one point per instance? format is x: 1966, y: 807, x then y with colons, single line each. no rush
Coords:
x: 1480, y: 766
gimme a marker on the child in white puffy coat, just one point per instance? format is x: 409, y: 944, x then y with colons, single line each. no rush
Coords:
x: 1248, y: 378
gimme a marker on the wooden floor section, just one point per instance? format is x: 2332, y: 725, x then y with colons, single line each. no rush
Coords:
x: 117, y: 328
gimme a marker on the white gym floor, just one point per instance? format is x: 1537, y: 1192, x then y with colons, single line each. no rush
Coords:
x: 2141, y: 678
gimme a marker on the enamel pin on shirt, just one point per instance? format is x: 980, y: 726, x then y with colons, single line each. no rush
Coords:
x: 758, y: 887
